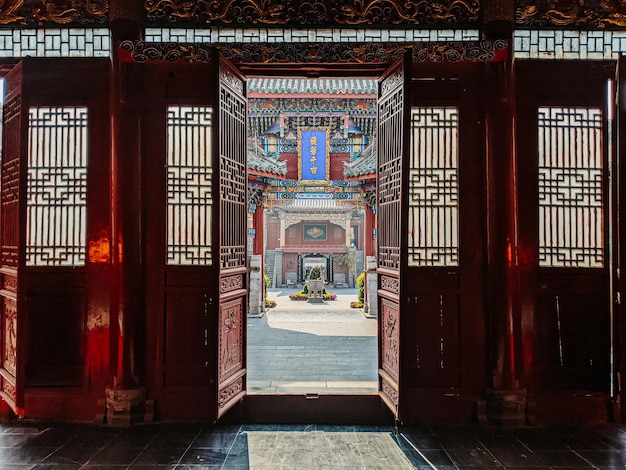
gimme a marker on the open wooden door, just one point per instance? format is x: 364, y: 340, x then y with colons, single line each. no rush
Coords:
x: 393, y: 105
x: 12, y: 347
x: 196, y: 233
x: 231, y: 231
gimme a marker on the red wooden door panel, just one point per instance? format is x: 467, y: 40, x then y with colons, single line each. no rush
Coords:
x: 391, y: 147
x: 12, y: 358
x: 233, y: 284
x: 564, y: 227
x: 196, y: 237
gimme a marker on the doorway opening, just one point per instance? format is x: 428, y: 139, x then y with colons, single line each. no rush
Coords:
x: 312, y: 170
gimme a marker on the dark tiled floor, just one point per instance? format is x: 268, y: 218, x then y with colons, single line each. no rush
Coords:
x: 32, y: 445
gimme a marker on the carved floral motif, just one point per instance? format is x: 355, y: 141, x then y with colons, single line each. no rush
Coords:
x: 231, y: 283
x: 567, y: 13
x: 389, y: 391
x: 390, y: 339
x: 322, y: 12
x: 140, y: 51
x: 40, y: 12
x: 9, y: 389
x: 228, y: 392
x: 10, y: 336
x: 482, y: 51
x: 230, y: 338
x: 390, y: 284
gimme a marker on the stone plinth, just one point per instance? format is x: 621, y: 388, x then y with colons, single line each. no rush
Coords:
x: 371, y: 287
x: 506, y: 407
x: 125, y: 407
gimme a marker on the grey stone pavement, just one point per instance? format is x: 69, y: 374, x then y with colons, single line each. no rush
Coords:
x: 301, y: 347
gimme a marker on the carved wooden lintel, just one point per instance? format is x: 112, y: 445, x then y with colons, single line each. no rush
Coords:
x: 475, y: 51
x: 40, y: 12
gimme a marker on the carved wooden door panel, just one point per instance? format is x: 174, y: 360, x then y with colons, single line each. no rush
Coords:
x: 232, y: 227
x: 12, y: 347
x: 392, y: 105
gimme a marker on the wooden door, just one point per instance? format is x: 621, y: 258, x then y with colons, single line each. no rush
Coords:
x: 196, y: 235
x: 231, y: 223
x: 393, y: 105
x: 12, y: 351
x: 565, y: 214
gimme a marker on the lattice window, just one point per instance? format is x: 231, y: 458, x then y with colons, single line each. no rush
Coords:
x: 55, y: 42
x: 233, y: 178
x: 56, y: 186
x: 229, y: 35
x: 189, y: 173
x: 571, y: 177
x: 433, y: 190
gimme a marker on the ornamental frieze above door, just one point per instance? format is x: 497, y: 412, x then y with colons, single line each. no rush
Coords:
x: 571, y: 13
x: 310, y: 13
x: 59, y: 12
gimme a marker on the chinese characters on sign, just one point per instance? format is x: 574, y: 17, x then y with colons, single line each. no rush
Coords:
x: 313, y: 165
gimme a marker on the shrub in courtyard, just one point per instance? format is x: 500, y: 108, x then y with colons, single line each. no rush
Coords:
x: 360, y: 283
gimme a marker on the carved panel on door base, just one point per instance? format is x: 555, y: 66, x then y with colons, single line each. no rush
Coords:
x: 390, y: 338
x: 389, y: 391
x: 231, y: 338
x: 9, y: 340
x: 230, y: 391
x: 231, y: 283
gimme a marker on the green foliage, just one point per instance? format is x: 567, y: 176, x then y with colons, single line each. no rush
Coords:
x: 305, y: 289
x: 266, y: 284
x: 360, y: 283
x: 315, y: 273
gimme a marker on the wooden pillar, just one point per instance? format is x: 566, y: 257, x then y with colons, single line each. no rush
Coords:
x: 506, y: 397
x: 126, y: 398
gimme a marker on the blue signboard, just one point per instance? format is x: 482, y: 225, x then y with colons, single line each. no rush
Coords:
x: 313, y: 156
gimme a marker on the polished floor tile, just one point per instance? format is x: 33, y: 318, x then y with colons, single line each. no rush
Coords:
x: 35, y: 445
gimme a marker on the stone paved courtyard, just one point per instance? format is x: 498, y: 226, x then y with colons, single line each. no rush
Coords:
x: 301, y: 347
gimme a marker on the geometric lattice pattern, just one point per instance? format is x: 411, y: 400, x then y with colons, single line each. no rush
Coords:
x: 570, y: 186
x: 568, y: 44
x: 278, y: 35
x: 189, y: 186
x: 433, y: 188
x: 233, y: 175
x: 56, y: 186
x: 389, y: 172
x: 55, y: 42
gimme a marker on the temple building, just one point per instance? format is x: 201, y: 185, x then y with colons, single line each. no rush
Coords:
x: 160, y: 156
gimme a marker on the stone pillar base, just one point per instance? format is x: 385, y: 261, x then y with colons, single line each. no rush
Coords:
x: 125, y: 407
x: 506, y: 407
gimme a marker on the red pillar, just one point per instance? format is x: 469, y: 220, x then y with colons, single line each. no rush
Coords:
x: 506, y: 398
x: 259, y: 232
x: 369, y: 224
x: 125, y: 399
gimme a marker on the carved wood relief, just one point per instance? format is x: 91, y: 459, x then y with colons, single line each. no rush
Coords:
x: 390, y: 338
x: 231, y: 283
x: 323, y: 12
x: 566, y: 13
x: 9, y: 339
x: 229, y: 392
x: 40, y: 12
x: 231, y: 338
x: 389, y: 391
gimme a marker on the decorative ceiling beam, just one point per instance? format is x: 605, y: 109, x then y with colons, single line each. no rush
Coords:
x: 319, y: 53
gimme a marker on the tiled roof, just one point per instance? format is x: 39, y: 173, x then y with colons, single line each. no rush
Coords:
x: 259, y: 160
x: 363, y: 165
x: 312, y: 86
x: 315, y: 205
